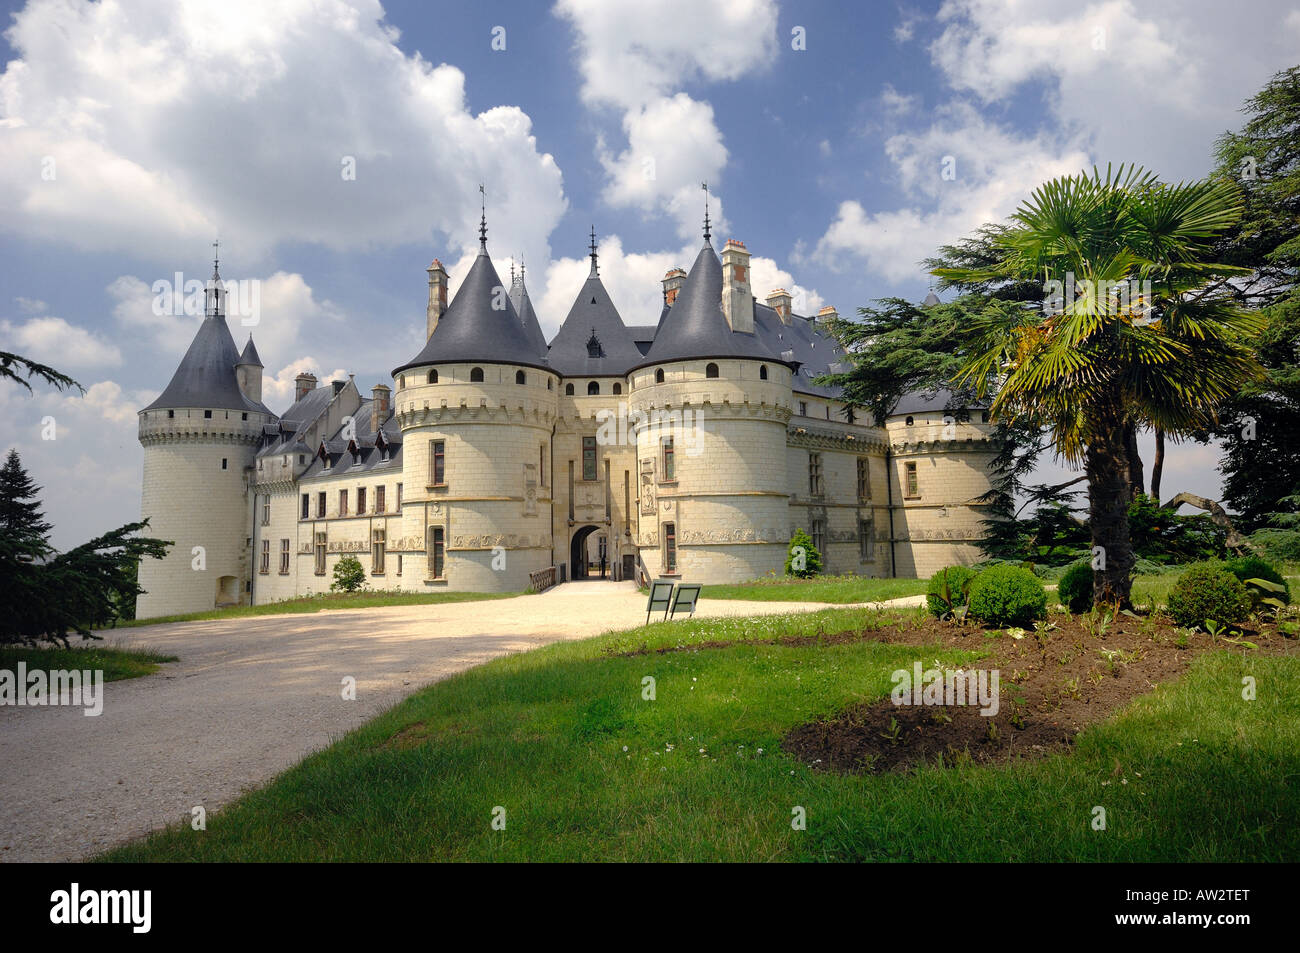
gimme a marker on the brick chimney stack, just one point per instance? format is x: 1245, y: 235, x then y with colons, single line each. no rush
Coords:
x: 779, y: 300
x: 437, y: 296
x: 378, y: 406
x: 303, y: 385
x: 737, y: 301
x: 672, y: 284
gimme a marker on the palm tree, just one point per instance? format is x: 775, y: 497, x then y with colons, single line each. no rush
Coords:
x: 1131, y: 333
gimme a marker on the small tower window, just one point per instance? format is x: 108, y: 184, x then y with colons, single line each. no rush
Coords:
x: 568, y: 390
x: 762, y: 373
x: 171, y: 414
x: 223, y: 463
x: 549, y: 384
x: 401, y: 382
x: 618, y: 388
x: 433, y: 377
x: 909, y: 421
x: 593, y: 387
x: 243, y: 416
x: 521, y: 377
x: 659, y: 375
x: 984, y: 416
x: 711, y: 370
x: 476, y: 376
x: 207, y: 415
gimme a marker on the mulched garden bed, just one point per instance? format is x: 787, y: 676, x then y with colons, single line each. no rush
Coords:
x: 1050, y: 688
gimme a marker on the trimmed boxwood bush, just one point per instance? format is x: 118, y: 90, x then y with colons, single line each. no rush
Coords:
x: 957, y: 578
x: 1007, y: 595
x: 1252, y: 567
x: 1075, y: 588
x: 1208, y: 592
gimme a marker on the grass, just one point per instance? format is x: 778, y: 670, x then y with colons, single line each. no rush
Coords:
x: 586, y: 768
x: 832, y: 589
x: 116, y: 661
x: 333, y: 600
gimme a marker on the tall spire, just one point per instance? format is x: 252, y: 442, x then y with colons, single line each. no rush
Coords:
x: 216, y: 259
x: 482, y: 222
x: 212, y: 295
x: 595, y: 270
x: 707, y: 233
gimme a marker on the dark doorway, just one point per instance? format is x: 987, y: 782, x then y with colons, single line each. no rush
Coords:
x: 578, y: 555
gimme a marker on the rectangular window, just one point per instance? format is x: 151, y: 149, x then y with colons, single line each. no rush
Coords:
x: 438, y: 462
x: 803, y: 408
x: 320, y: 505
x: 399, y: 564
x: 361, y: 500
x: 589, y: 458
x: 266, y: 510
x: 815, y: 474
x: 864, y: 480
x: 399, y: 497
x: 541, y: 464
x: 343, y: 502
x: 379, y: 499
x: 284, y: 557
x: 912, y: 490
x: 306, y: 505
x: 670, y: 460
x: 819, y: 537
x: 864, y: 540
x: 266, y: 557
x: 377, y: 554
x: 436, y: 551
x: 670, y: 547
x: 320, y: 553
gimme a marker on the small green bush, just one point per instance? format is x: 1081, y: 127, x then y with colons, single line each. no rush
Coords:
x: 802, y: 560
x: 1075, y: 588
x: 1006, y: 595
x: 349, y: 575
x: 1208, y: 593
x: 949, y: 589
x: 1252, y: 567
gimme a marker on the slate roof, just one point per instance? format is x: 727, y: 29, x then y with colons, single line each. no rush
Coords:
x: 472, y: 330
x: 695, y: 327
x: 249, y: 355
x: 206, y: 375
x: 528, y: 319
x: 813, y: 350
x: 363, y: 454
x: 593, y: 314
x: 932, y: 401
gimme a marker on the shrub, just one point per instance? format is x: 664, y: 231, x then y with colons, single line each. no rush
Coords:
x: 803, y: 560
x: 1208, y: 593
x: 1006, y: 595
x: 1281, y: 545
x: 349, y: 575
x: 1252, y: 567
x: 949, y: 589
x: 1075, y: 587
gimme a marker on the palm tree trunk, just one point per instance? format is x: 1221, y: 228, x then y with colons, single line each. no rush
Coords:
x: 1158, y: 464
x: 1109, y: 493
x: 1135, y: 474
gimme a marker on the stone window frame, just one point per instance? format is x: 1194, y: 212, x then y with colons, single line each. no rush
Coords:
x: 264, y: 564
x: 911, y: 481
x: 284, y: 556
x: 668, y: 460
x: 437, y: 547
x: 864, y: 479
x: 669, y: 533
x: 816, y: 477
x: 589, y: 451
x: 437, y: 463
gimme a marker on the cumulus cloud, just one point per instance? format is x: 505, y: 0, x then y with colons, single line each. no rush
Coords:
x: 278, y: 388
x: 148, y: 125
x: 55, y: 342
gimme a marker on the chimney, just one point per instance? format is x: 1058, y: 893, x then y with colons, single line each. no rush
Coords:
x: 437, y: 297
x: 338, y: 386
x: 673, y: 284
x: 779, y: 300
x: 378, y: 406
x: 303, y: 385
x: 826, y: 314
x: 737, y: 302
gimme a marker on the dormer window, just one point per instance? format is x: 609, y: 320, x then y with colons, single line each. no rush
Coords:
x: 594, y: 349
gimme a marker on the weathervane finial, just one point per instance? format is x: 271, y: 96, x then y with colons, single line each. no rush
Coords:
x: 707, y: 233
x: 594, y: 268
x: 216, y: 258
x: 482, y: 222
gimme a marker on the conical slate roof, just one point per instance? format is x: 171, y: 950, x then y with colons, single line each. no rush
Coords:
x: 528, y: 319
x: 206, y: 375
x: 594, y: 341
x: 250, y: 354
x: 695, y: 326
x: 473, y: 330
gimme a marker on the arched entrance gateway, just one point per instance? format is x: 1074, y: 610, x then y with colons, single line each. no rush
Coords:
x: 582, y: 554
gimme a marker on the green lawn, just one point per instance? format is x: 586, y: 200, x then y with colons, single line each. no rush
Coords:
x: 333, y: 600
x: 585, y: 769
x: 116, y: 661
x: 834, y: 589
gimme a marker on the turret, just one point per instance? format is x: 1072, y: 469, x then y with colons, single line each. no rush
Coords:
x: 248, y: 371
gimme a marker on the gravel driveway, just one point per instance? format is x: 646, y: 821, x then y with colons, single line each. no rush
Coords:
x: 250, y: 697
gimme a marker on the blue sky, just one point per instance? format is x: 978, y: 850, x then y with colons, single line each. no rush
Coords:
x: 170, y: 123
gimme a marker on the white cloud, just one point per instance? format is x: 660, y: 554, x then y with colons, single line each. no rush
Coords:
x: 31, y: 305
x: 896, y: 103
x: 278, y: 389
x: 151, y: 126
x: 55, y: 342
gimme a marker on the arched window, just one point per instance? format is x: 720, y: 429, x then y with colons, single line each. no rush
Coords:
x: 711, y: 370
x: 476, y: 376
x: 433, y: 376
x: 593, y: 387
x: 762, y: 373
x: 618, y: 388
x: 659, y: 375
x: 908, y: 421
x: 550, y: 384
x: 568, y: 390
x: 521, y: 377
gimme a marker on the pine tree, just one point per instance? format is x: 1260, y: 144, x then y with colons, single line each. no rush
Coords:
x: 24, y: 546
x: 803, y: 560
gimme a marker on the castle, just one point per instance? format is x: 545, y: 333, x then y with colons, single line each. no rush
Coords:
x: 691, y: 448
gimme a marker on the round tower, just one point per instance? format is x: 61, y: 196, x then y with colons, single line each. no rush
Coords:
x: 710, y: 406
x: 477, y: 407
x: 199, y: 438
